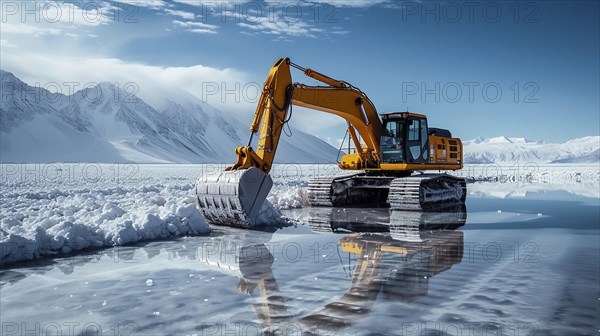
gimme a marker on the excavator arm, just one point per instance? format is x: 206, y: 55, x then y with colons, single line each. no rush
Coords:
x: 337, y: 97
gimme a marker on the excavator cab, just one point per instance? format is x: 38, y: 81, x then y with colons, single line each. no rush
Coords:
x: 405, y: 138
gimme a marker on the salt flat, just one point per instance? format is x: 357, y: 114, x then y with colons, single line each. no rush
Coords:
x: 52, y: 209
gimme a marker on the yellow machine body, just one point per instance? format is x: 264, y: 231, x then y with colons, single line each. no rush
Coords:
x: 344, y: 100
x: 392, y: 144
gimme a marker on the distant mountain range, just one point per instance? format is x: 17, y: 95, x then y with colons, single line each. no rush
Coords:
x: 502, y: 149
x: 106, y: 124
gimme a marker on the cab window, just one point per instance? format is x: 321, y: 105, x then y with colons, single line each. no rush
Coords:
x: 414, y: 130
x: 418, y: 140
x: 392, y: 142
x: 391, y: 129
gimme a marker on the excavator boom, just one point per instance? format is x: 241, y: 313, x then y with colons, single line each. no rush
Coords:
x: 234, y: 197
x: 337, y: 97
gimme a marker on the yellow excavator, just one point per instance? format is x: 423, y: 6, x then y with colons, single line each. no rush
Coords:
x: 388, y: 150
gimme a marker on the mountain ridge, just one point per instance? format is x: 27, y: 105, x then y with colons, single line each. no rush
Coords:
x: 502, y: 149
x: 105, y: 123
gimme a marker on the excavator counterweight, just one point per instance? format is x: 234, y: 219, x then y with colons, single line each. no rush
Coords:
x: 389, y: 148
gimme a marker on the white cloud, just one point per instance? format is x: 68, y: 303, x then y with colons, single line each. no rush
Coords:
x: 278, y: 25
x: 154, y: 4
x: 212, y: 3
x: 202, y: 31
x: 154, y: 82
x: 60, y: 12
x: 42, y: 18
x: 351, y: 3
x: 182, y: 14
x: 6, y: 44
x: 227, y: 89
x: 196, y: 27
x: 276, y: 17
x: 194, y: 24
x: 71, y: 60
x: 281, y: 38
x: 338, y: 30
x: 9, y: 28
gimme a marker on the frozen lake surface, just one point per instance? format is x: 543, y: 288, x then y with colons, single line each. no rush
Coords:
x: 511, y: 263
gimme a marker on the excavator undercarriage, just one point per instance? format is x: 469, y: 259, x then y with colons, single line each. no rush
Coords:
x: 235, y: 198
x: 416, y: 192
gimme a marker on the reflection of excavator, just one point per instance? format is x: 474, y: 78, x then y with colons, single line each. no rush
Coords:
x: 399, y: 270
x: 250, y: 260
x: 401, y: 225
x: 388, y: 149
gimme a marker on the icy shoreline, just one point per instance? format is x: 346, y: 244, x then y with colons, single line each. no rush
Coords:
x: 38, y: 223
x: 52, y: 209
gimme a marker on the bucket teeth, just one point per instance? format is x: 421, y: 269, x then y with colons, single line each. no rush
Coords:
x: 233, y: 198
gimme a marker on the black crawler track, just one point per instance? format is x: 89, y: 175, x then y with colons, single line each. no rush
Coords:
x: 416, y: 192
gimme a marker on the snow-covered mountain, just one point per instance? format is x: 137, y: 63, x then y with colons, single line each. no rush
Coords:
x: 106, y: 124
x: 502, y: 149
x: 592, y: 157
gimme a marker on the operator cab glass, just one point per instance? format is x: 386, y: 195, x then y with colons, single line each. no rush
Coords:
x: 404, y: 139
x: 392, y: 141
x: 418, y: 141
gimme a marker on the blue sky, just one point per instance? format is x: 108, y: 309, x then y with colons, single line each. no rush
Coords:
x: 518, y: 69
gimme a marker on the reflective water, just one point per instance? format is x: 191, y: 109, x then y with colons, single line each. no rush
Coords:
x: 525, y: 266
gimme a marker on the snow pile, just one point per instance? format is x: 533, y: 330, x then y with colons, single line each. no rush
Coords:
x: 39, y: 219
x: 54, y: 209
x: 288, y: 197
x: 271, y: 216
x: 89, y: 219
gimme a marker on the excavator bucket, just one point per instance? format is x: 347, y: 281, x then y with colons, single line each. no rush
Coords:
x: 233, y: 198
